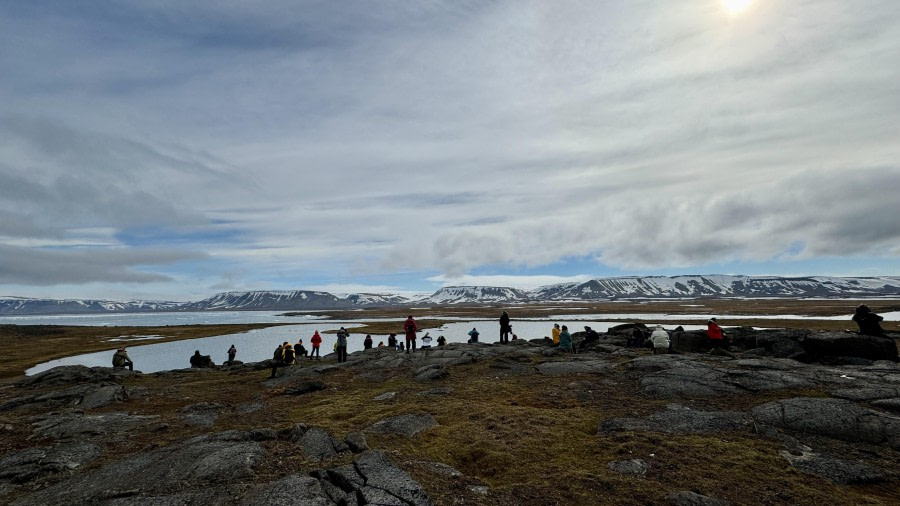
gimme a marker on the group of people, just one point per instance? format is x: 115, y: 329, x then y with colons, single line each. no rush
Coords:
x: 286, y: 354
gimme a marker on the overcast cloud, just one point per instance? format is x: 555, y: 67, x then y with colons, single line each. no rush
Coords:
x: 164, y: 150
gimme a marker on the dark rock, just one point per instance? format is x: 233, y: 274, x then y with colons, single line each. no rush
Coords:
x: 36, y: 463
x: 789, y: 349
x: 305, y: 388
x: 73, y: 425
x: 356, y: 442
x: 16, y: 402
x: 346, y: 477
x: 372, y: 495
x: 202, y: 414
x: 680, y: 419
x: 405, y: 425
x: 380, y: 473
x: 692, y: 341
x: 867, y: 393
x: 633, y: 466
x: 317, y: 444
x: 687, y: 498
x: 891, y: 404
x: 846, y: 361
x: 73, y: 374
x: 836, y: 470
x: 835, y: 418
x: 296, y: 490
x: 845, y: 344
x: 216, y: 458
x: 432, y: 374
x: 755, y: 353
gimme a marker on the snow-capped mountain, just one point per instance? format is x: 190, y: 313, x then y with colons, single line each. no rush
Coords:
x: 719, y: 286
x: 375, y: 299
x: 596, y: 289
x: 463, y: 294
x: 28, y: 306
x: 263, y: 300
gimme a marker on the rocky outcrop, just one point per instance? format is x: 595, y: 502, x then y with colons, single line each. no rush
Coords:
x: 680, y: 419
x: 405, y: 425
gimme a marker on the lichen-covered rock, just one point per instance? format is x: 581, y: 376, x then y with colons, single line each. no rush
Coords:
x: 291, y: 490
x: 405, y: 425
x: 836, y: 418
x: 381, y: 474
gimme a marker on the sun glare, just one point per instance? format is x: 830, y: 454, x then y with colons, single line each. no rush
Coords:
x: 735, y: 7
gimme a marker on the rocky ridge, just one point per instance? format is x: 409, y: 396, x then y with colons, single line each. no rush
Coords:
x: 78, y: 419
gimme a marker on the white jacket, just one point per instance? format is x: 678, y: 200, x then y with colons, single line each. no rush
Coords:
x: 660, y: 338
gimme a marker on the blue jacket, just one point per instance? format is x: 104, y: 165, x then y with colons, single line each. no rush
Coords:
x: 565, y: 340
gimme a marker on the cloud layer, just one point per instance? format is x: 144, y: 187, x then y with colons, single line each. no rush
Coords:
x: 172, y: 150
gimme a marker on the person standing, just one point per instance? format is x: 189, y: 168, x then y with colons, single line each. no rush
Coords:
x: 316, y: 342
x: 410, y: 328
x: 121, y: 360
x: 367, y: 343
x: 392, y: 341
x: 341, y: 345
x: 231, y: 354
x: 555, y: 333
x: 504, y: 328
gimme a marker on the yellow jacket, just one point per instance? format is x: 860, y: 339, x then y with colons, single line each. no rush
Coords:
x: 555, y: 333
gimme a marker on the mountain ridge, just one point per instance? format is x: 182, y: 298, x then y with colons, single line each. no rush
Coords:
x: 622, y: 287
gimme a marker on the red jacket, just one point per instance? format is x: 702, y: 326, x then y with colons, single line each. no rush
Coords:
x: 316, y: 340
x: 410, y: 327
x: 714, y: 331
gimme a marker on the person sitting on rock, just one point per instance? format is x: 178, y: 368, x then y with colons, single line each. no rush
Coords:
x: 869, y: 322
x: 277, y: 359
x: 121, y: 360
x: 636, y: 339
x: 555, y: 333
x: 367, y: 342
x: 565, y: 340
x: 660, y: 340
x: 473, y: 336
x: 197, y: 359
x: 392, y: 341
x: 288, y: 356
x: 590, y: 336
x: 381, y: 344
x: 715, y: 333
x: 300, y: 350
x: 441, y: 340
x: 426, y: 341
x: 231, y: 353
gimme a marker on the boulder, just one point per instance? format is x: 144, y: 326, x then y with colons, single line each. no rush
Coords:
x: 405, y: 425
x: 356, y: 441
x: 74, y: 374
x: 835, y: 418
x: 37, y: 463
x: 835, y: 470
x: 819, y: 345
x: 317, y: 444
x: 634, y: 466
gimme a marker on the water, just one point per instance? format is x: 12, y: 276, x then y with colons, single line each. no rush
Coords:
x: 161, y: 319
x: 257, y: 345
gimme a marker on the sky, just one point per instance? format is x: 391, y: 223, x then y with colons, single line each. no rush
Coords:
x: 172, y: 150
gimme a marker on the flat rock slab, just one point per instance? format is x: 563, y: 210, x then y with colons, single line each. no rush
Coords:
x: 835, y: 418
x: 72, y: 425
x: 180, y: 468
x: 297, y: 489
x: 36, y: 463
x: 836, y: 470
x: 574, y: 367
x: 74, y: 374
x: 202, y: 414
x: 405, y: 425
x: 682, y: 420
x: 380, y: 473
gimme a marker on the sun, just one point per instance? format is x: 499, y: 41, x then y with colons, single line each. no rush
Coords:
x: 735, y: 7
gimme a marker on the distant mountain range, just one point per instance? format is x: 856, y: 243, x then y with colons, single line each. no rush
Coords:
x: 630, y: 287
